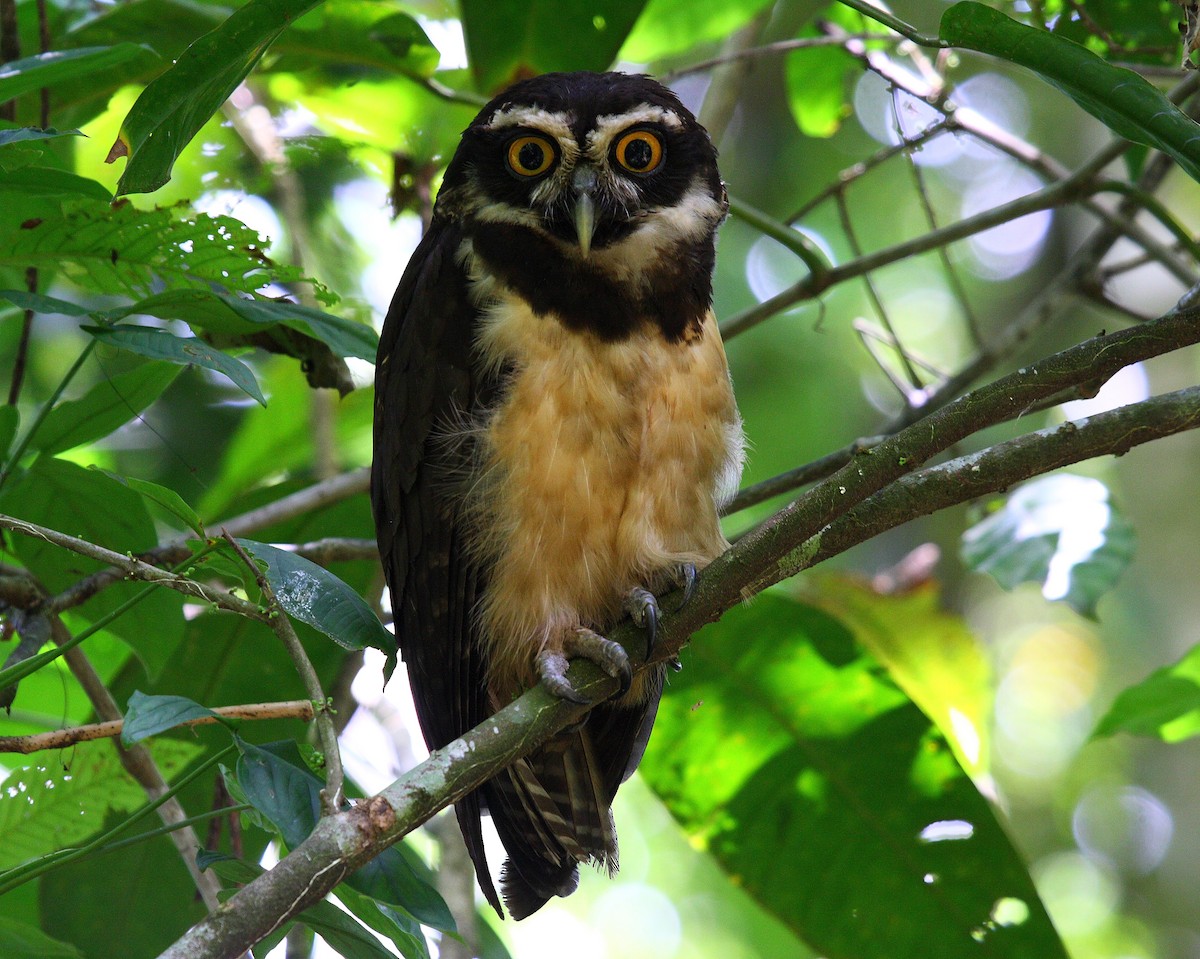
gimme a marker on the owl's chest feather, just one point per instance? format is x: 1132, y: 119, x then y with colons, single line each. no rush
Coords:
x: 601, y: 469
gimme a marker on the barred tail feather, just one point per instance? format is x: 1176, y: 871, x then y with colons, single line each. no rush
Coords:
x: 551, y: 814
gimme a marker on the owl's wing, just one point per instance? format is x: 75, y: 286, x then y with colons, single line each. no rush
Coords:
x: 424, y: 379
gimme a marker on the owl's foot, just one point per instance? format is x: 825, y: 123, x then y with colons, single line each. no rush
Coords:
x: 583, y: 642
x: 642, y: 605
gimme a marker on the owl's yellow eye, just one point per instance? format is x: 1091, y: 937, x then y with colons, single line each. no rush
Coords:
x: 530, y: 155
x: 639, y: 151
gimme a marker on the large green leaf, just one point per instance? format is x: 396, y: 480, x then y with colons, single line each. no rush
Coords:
x: 1060, y: 531
x: 673, y: 26
x: 173, y: 108
x: 832, y: 800
x: 45, y: 807
x: 1119, y: 98
x: 19, y: 940
x: 187, y: 350
x: 313, y: 595
x: 47, y: 69
x: 147, y: 716
x: 109, y: 404
x: 1164, y: 705
x: 509, y: 41
x: 358, y: 35
x: 25, y: 134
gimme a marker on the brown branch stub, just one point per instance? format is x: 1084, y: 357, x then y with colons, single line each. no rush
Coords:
x: 61, y: 738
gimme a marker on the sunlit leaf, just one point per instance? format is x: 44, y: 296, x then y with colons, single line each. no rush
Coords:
x: 188, y: 350
x: 674, y: 26
x: 44, y: 807
x: 19, y: 940
x: 928, y: 651
x: 47, y: 69
x: 313, y: 595
x: 832, y: 800
x: 360, y: 35
x: 109, y: 404
x: 1165, y: 705
x: 176, y: 104
x: 1061, y: 531
x: 1122, y: 100
x: 509, y: 41
x: 147, y: 716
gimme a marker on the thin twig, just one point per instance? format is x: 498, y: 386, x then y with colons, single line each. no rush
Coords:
x: 18, y: 374
x: 61, y: 738
x: 332, y: 796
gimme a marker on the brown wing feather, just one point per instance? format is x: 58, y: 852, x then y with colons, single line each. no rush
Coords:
x: 424, y: 378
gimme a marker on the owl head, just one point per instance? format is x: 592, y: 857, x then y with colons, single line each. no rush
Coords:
x: 601, y: 164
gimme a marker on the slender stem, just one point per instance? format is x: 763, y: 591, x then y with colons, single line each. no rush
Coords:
x: 907, y: 30
x: 332, y: 796
x: 781, y: 233
x: 18, y: 376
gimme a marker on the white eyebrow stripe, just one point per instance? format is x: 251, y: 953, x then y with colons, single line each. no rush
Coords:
x: 611, y: 124
x: 557, y: 125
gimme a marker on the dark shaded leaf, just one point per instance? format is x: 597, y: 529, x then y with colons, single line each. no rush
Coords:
x: 40, y: 303
x: 313, y: 595
x: 833, y: 801
x: 23, y: 134
x: 279, y: 784
x: 188, y: 350
x: 106, y: 406
x: 48, y: 69
x: 234, y: 315
x: 1062, y: 532
x: 51, y: 183
x: 176, y: 104
x: 1165, y: 705
x: 10, y: 421
x: 508, y: 42
x: 147, y: 716
x: 1122, y: 100
x: 168, y: 499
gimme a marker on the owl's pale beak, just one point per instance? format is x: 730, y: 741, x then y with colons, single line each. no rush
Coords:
x: 584, y: 183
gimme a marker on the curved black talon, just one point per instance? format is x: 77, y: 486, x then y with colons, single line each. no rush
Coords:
x: 675, y: 664
x: 642, y: 606
x: 590, y: 645
x: 687, y: 572
x: 552, y: 667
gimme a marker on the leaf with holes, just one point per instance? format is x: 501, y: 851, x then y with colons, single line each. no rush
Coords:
x: 1060, y: 531
x: 313, y: 595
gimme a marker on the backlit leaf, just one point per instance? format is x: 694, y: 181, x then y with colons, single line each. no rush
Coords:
x: 1165, y: 705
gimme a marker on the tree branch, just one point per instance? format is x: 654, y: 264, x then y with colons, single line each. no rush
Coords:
x: 875, y: 491
x: 61, y: 738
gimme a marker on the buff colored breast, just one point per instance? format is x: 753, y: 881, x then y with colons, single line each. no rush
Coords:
x: 601, y: 469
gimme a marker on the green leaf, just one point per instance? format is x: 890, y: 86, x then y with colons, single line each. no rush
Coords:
x: 176, y: 104
x: 147, y: 716
x: 51, y: 183
x: 404, y: 932
x: 21, y: 941
x: 187, y: 350
x: 816, y: 85
x: 168, y: 499
x: 118, y: 248
x: 227, y: 314
x: 506, y: 42
x: 40, y: 303
x: 674, y: 26
x: 832, y: 800
x: 1165, y: 705
x: 930, y: 653
x: 1119, y: 98
x: 313, y: 595
x: 23, y: 134
x: 47, y: 69
x: 356, y: 34
x: 46, y: 807
x: 108, y: 405
x: 279, y: 784
x: 1060, y: 531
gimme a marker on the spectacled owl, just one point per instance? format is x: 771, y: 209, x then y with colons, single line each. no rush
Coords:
x: 555, y: 434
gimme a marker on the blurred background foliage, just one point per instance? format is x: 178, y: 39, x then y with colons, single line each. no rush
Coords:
x: 885, y: 757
